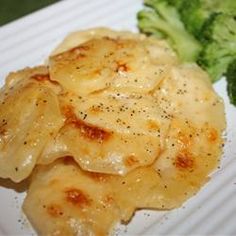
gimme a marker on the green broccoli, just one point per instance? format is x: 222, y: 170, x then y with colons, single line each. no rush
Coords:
x: 195, y: 12
x: 231, y: 81
x: 219, y: 44
x: 163, y: 21
x: 175, y: 3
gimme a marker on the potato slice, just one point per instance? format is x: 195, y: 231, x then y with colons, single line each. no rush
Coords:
x: 108, y: 87
x: 29, y: 116
x: 109, y: 134
x: 64, y: 200
x: 129, y: 65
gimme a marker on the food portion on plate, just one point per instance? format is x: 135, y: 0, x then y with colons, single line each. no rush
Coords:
x: 114, y: 123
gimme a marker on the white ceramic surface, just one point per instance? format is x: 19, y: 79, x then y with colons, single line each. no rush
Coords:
x: 28, y: 41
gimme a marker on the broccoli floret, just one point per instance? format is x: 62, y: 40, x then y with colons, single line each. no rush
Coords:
x: 231, y: 81
x: 219, y: 44
x: 163, y: 21
x: 193, y: 15
x: 175, y: 3
x: 195, y: 12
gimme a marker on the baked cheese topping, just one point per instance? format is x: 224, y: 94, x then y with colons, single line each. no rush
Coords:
x: 113, y: 123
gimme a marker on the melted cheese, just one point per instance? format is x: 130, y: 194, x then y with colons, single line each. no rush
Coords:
x: 188, y: 94
x: 122, y: 64
x: 65, y: 200
x: 116, y: 134
x: 109, y: 86
x: 29, y: 116
x: 120, y: 104
x: 194, y: 141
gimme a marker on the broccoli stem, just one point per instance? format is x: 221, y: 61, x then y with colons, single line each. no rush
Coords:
x: 186, y: 46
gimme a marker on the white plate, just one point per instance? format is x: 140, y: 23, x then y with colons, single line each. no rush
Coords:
x: 28, y: 41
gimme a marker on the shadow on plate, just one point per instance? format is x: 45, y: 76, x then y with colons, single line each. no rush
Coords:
x: 18, y: 187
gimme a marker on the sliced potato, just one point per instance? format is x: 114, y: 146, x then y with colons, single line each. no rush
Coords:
x: 109, y: 134
x: 29, y: 116
x: 64, y: 200
x: 108, y: 87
